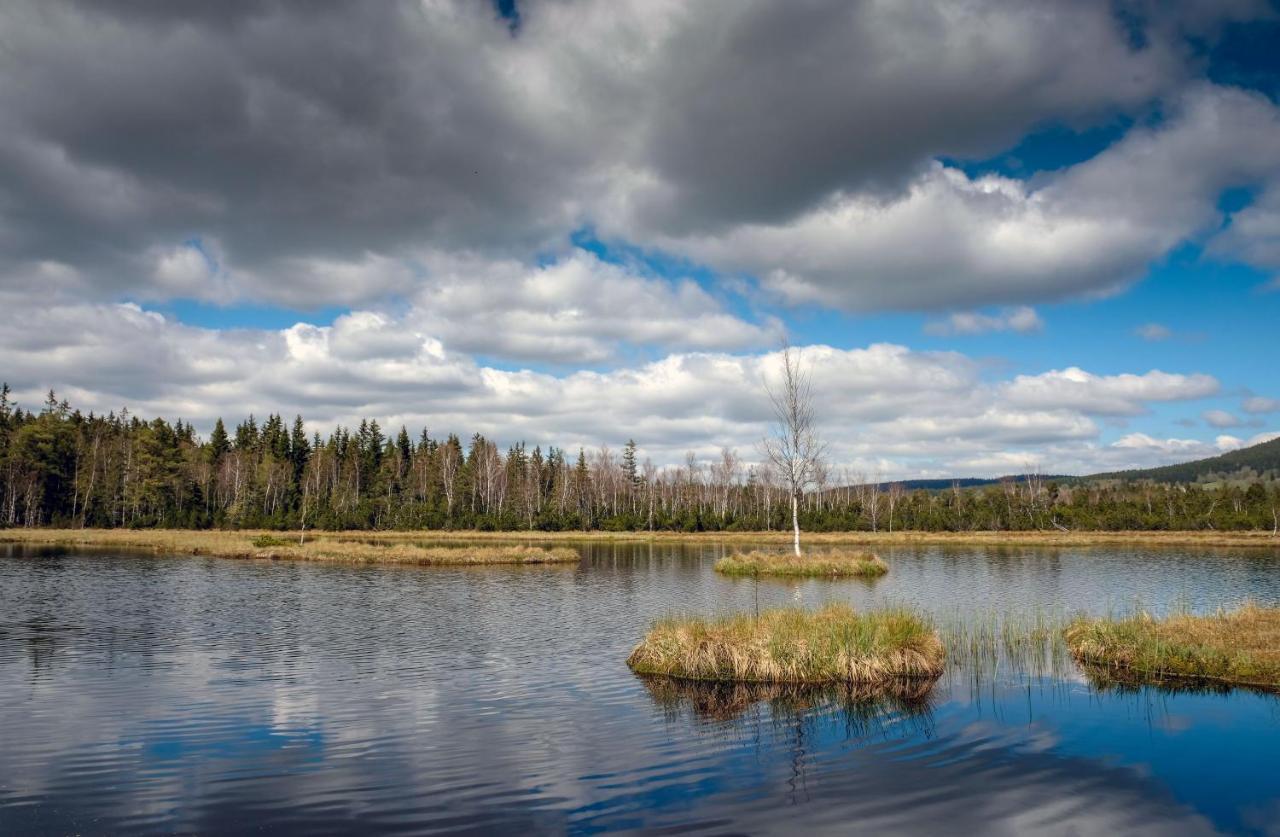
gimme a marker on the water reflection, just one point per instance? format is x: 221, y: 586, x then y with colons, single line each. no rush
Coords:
x: 1103, y: 679
x: 860, y: 705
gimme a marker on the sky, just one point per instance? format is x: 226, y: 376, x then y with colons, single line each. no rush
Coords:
x: 1003, y: 236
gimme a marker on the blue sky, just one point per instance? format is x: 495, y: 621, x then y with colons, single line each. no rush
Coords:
x: 1002, y: 238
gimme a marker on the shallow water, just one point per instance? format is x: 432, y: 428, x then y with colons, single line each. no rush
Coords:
x: 204, y: 695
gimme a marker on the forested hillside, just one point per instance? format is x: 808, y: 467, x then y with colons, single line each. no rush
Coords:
x: 1263, y: 460
x: 62, y: 468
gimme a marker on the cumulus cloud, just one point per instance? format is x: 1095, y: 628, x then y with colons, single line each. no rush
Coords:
x: 575, y: 309
x: 1023, y: 320
x: 1106, y: 395
x: 884, y: 405
x: 1151, y: 451
x: 1087, y: 229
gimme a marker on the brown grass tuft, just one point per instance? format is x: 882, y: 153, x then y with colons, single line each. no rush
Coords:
x: 831, y: 645
x: 830, y: 563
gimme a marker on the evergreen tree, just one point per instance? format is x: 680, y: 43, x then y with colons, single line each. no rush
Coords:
x: 219, y: 444
x: 629, y: 467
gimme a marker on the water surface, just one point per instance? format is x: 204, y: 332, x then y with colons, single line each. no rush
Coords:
x: 145, y: 695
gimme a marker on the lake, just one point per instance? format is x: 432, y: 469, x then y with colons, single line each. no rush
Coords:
x: 145, y: 695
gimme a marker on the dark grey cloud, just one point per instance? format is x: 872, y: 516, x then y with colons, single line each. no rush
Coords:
x: 767, y: 108
x: 306, y: 145
x: 283, y: 131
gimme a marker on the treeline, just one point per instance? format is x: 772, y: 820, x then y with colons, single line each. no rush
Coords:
x: 59, y: 467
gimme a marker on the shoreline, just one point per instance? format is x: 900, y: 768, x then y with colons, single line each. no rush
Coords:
x: 193, y: 541
x: 238, y: 543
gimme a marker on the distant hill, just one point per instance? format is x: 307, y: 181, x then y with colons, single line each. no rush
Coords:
x: 1260, y: 458
x: 969, y: 482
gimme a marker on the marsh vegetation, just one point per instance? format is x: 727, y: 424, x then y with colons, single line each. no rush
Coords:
x: 834, y: 644
x: 1238, y: 647
x: 828, y: 563
x: 269, y: 545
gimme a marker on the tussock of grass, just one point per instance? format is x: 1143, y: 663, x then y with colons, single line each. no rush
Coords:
x: 831, y: 645
x: 318, y: 547
x: 834, y: 563
x: 1240, y: 647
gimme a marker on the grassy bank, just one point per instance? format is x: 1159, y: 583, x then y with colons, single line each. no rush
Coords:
x: 268, y: 545
x: 1240, y: 647
x: 831, y: 563
x: 831, y: 645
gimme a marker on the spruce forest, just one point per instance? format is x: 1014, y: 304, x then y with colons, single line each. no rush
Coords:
x: 59, y: 467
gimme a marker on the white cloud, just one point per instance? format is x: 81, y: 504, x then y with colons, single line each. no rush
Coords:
x: 575, y: 309
x: 905, y: 412
x: 1088, y: 229
x: 1022, y: 319
x: 1106, y: 395
x: 1153, y: 332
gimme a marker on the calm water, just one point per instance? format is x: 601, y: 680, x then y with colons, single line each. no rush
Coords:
x: 201, y: 695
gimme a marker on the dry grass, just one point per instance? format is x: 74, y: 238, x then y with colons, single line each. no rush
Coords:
x: 830, y: 563
x: 1240, y: 647
x: 831, y: 645
x: 277, y: 546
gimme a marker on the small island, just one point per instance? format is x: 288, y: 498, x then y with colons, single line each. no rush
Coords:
x: 284, y: 546
x: 833, y: 563
x: 1235, y: 648
x: 833, y: 645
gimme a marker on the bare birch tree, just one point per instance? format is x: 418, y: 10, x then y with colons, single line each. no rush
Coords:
x: 794, y: 449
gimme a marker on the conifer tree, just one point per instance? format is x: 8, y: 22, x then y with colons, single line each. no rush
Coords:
x: 629, y: 465
x: 219, y: 444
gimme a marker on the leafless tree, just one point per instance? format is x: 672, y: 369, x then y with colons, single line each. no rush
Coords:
x: 449, y: 462
x: 794, y: 449
x: 894, y: 495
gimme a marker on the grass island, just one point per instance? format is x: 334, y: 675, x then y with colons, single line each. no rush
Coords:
x: 831, y: 563
x: 833, y: 645
x: 321, y: 546
x: 1234, y: 648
